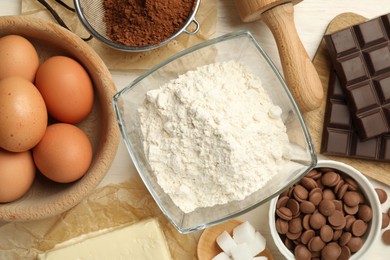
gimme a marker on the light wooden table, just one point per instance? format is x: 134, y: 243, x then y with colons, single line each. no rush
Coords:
x: 311, y: 18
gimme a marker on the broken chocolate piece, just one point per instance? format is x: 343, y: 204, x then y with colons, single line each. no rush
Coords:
x: 340, y: 138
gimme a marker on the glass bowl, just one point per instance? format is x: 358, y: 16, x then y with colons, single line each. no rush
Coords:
x: 374, y: 228
x: 242, y: 47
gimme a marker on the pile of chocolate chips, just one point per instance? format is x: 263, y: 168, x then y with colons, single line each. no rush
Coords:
x: 382, y: 195
x: 324, y: 216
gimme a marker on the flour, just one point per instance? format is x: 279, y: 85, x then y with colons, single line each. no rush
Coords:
x: 212, y: 135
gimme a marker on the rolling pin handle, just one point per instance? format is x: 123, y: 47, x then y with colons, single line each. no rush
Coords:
x: 299, y: 72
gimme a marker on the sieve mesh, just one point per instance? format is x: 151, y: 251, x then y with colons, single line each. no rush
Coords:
x: 91, y: 14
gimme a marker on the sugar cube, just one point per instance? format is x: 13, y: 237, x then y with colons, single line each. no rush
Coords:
x: 243, y: 233
x: 241, y: 252
x: 226, y: 242
x: 257, y: 244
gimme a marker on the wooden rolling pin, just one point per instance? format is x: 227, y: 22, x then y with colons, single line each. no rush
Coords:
x: 300, y: 75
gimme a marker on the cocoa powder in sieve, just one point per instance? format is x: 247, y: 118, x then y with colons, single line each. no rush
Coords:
x: 145, y: 22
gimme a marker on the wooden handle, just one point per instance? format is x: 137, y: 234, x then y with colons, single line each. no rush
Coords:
x: 252, y: 10
x: 300, y: 75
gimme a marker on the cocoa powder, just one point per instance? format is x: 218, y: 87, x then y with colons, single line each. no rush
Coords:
x: 145, y: 22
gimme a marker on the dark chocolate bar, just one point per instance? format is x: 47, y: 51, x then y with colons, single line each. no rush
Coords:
x: 361, y: 57
x: 340, y: 137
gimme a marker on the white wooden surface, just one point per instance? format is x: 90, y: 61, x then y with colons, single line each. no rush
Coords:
x: 311, y: 19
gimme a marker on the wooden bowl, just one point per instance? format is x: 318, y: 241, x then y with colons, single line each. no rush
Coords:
x: 46, y: 198
x: 208, y: 247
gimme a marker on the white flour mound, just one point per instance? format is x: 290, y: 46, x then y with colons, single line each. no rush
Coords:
x: 212, y: 135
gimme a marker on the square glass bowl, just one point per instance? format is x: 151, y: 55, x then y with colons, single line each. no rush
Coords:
x: 242, y: 47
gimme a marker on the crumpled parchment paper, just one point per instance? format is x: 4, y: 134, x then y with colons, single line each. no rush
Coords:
x: 119, y: 60
x: 109, y: 206
x: 115, y: 204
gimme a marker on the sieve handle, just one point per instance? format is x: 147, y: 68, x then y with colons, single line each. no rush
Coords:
x: 197, y: 27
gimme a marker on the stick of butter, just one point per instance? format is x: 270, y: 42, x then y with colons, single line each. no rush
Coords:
x: 142, y: 240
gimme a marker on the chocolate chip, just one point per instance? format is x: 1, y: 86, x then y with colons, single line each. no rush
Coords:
x: 349, y: 221
x: 364, y: 213
x: 344, y: 239
x: 300, y: 193
x: 317, y: 221
x: 354, y: 244
x: 284, y: 213
x: 314, y: 174
x: 326, y: 233
x: 330, y: 179
x: 281, y: 226
x: 328, y: 194
x: 386, y: 237
x: 351, y: 210
x: 362, y: 198
x: 316, y: 255
x: 302, y: 253
x: 293, y: 236
x: 385, y: 220
x: 307, y: 207
x: 359, y: 228
x: 345, y: 253
x: 306, y: 221
x: 319, y: 184
x: 338, y: 185
x: 327, y: 207
x: 338, y: 204
x: 337, y: 234
x: 293, y: 205
x: 316, y: 244
x: 282, y: 201
x: 352, y: 184
x: 337, y: 220
x: 295, y: 225
x: 331, y: 251
x: 315, y: 197
x: 307, y: 235
x: 382, y: 195
x: 308, y: 183
x: 341, y: 192
x: 351, y: 198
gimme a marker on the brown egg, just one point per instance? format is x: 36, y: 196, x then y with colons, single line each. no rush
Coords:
x: 64, y: 154
x: 18, y: 58
x: 66, y: 88
x: 23, y: 115
x: 17, y: 172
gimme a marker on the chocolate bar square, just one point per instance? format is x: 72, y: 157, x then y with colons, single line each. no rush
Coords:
x: 361, y: 58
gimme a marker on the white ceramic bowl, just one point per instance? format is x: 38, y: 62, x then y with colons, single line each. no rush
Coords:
x: 370, y: 194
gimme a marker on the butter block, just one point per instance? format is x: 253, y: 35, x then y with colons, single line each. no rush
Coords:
x: 142, y: 240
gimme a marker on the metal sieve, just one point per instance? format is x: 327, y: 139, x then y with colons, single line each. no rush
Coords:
x: 91, y: 14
